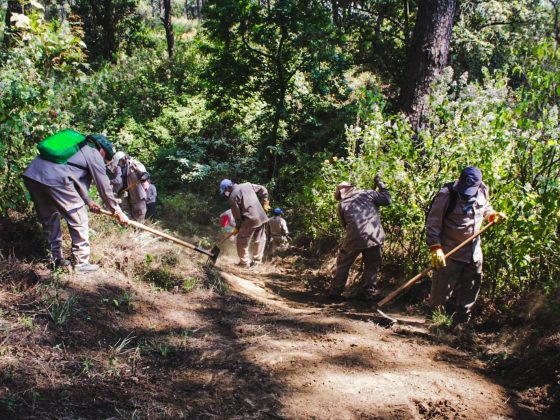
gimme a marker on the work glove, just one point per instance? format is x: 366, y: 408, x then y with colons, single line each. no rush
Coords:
x: 121, y: 218
x: 235, y: 231
x: 266, y: 206
x: 497, y: 217
x: 94, y: 207
x: 437, y: 257
x: 377, y: 183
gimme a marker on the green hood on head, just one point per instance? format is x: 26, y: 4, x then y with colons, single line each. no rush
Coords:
x: 103, y: 142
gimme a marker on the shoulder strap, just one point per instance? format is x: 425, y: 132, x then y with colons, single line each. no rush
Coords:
x: 453, y: 194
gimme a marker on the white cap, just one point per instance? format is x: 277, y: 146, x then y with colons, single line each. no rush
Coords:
x: 118, y: 156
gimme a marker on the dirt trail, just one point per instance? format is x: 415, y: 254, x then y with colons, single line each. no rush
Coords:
x: 271, y: 347
x: 337, y: 362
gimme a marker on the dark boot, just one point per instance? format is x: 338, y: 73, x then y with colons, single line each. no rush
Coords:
x: 62, y: 263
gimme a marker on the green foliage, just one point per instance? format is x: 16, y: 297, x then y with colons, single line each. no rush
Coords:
x: 109, y: 26
x: 122, y: 301
x: 512, y: 135
x: 215, y: 282
x: 61, y: 311
x: 488, y: 34
x: 189, y: 284
x: 159, y: 272
x: 283, y: 54
x: 185, y: 211
x: 441, y: 319
x: 34, y: 89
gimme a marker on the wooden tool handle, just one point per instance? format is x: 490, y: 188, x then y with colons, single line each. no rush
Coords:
x: 162, y: 234
x: 417, y: 277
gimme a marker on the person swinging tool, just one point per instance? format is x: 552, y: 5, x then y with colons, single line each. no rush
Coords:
x: 456, y: 213
x: 359, y: 215
x: 250, y: 218
x: 58, y: 182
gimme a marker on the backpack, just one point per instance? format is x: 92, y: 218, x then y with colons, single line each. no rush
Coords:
x: 453, y: 195
x: 61, y: 146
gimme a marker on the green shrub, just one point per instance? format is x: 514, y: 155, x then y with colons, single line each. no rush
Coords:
x: 511, y: 135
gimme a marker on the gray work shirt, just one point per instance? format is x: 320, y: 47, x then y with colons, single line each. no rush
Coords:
x: 245, y: 203
x: 70, y: 182
x: 464, y: 220
x: 359, y: 215
x: 127, y: 176
x: 151, y: 194
x: 278, y: 226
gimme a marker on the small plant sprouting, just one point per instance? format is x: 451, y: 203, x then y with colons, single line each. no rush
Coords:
x: 215, y: 282
x: 123, y: 301
x: 189, y: 283
x: 157, y: 346
x: 61, y: 311
x: 27, y: 322
x: 441, y: 319
x: 87, y: 364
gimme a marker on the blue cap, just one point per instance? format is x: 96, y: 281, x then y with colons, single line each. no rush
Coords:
x: 225, y: 184
x: 278, y: 211
x: 469, y: 181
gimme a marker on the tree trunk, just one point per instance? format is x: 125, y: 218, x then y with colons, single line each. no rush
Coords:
x: 555, y: 5
x: 198, y: 9
x: 108, y: 24
x: 166, y: 19
x: 427, y: 55
x: 335, y: 14
x: 13, y: 7
x: 61, y: 13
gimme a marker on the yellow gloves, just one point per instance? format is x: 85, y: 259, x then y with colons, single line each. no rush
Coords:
x: 235, y: 231
x: 437, y: 256
x: 266, y: 206
x: 497, y: 217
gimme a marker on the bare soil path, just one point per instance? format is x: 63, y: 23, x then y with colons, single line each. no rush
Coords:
x: 336, y: 361
x: 271, y: 347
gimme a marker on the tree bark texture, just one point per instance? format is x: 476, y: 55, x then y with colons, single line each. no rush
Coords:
x: 427, y: 55
x: 13, y: 7
x: 166, y: 19
x: 108, y: 24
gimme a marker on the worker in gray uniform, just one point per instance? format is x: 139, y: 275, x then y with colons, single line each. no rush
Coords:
x: 129, y: 177
x: 278, y: 229
x: 359, y: 215
x: 456, y: 213
x: 61, y: 190
x: 250, y: 218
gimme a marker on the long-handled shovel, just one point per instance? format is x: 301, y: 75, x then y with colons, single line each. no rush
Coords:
x: 417, y: 277
x: 212, y: 256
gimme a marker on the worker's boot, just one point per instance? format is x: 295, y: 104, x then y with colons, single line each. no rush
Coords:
x: 86, y: 268
x: 62, y: 263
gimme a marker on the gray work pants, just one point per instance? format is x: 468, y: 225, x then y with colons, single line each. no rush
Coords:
x: 278, y: 243
x: 244, y: 237
x: 456, y: 286
x: 136, y: 211
x: 372, y: 261
x: 50, y: 208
